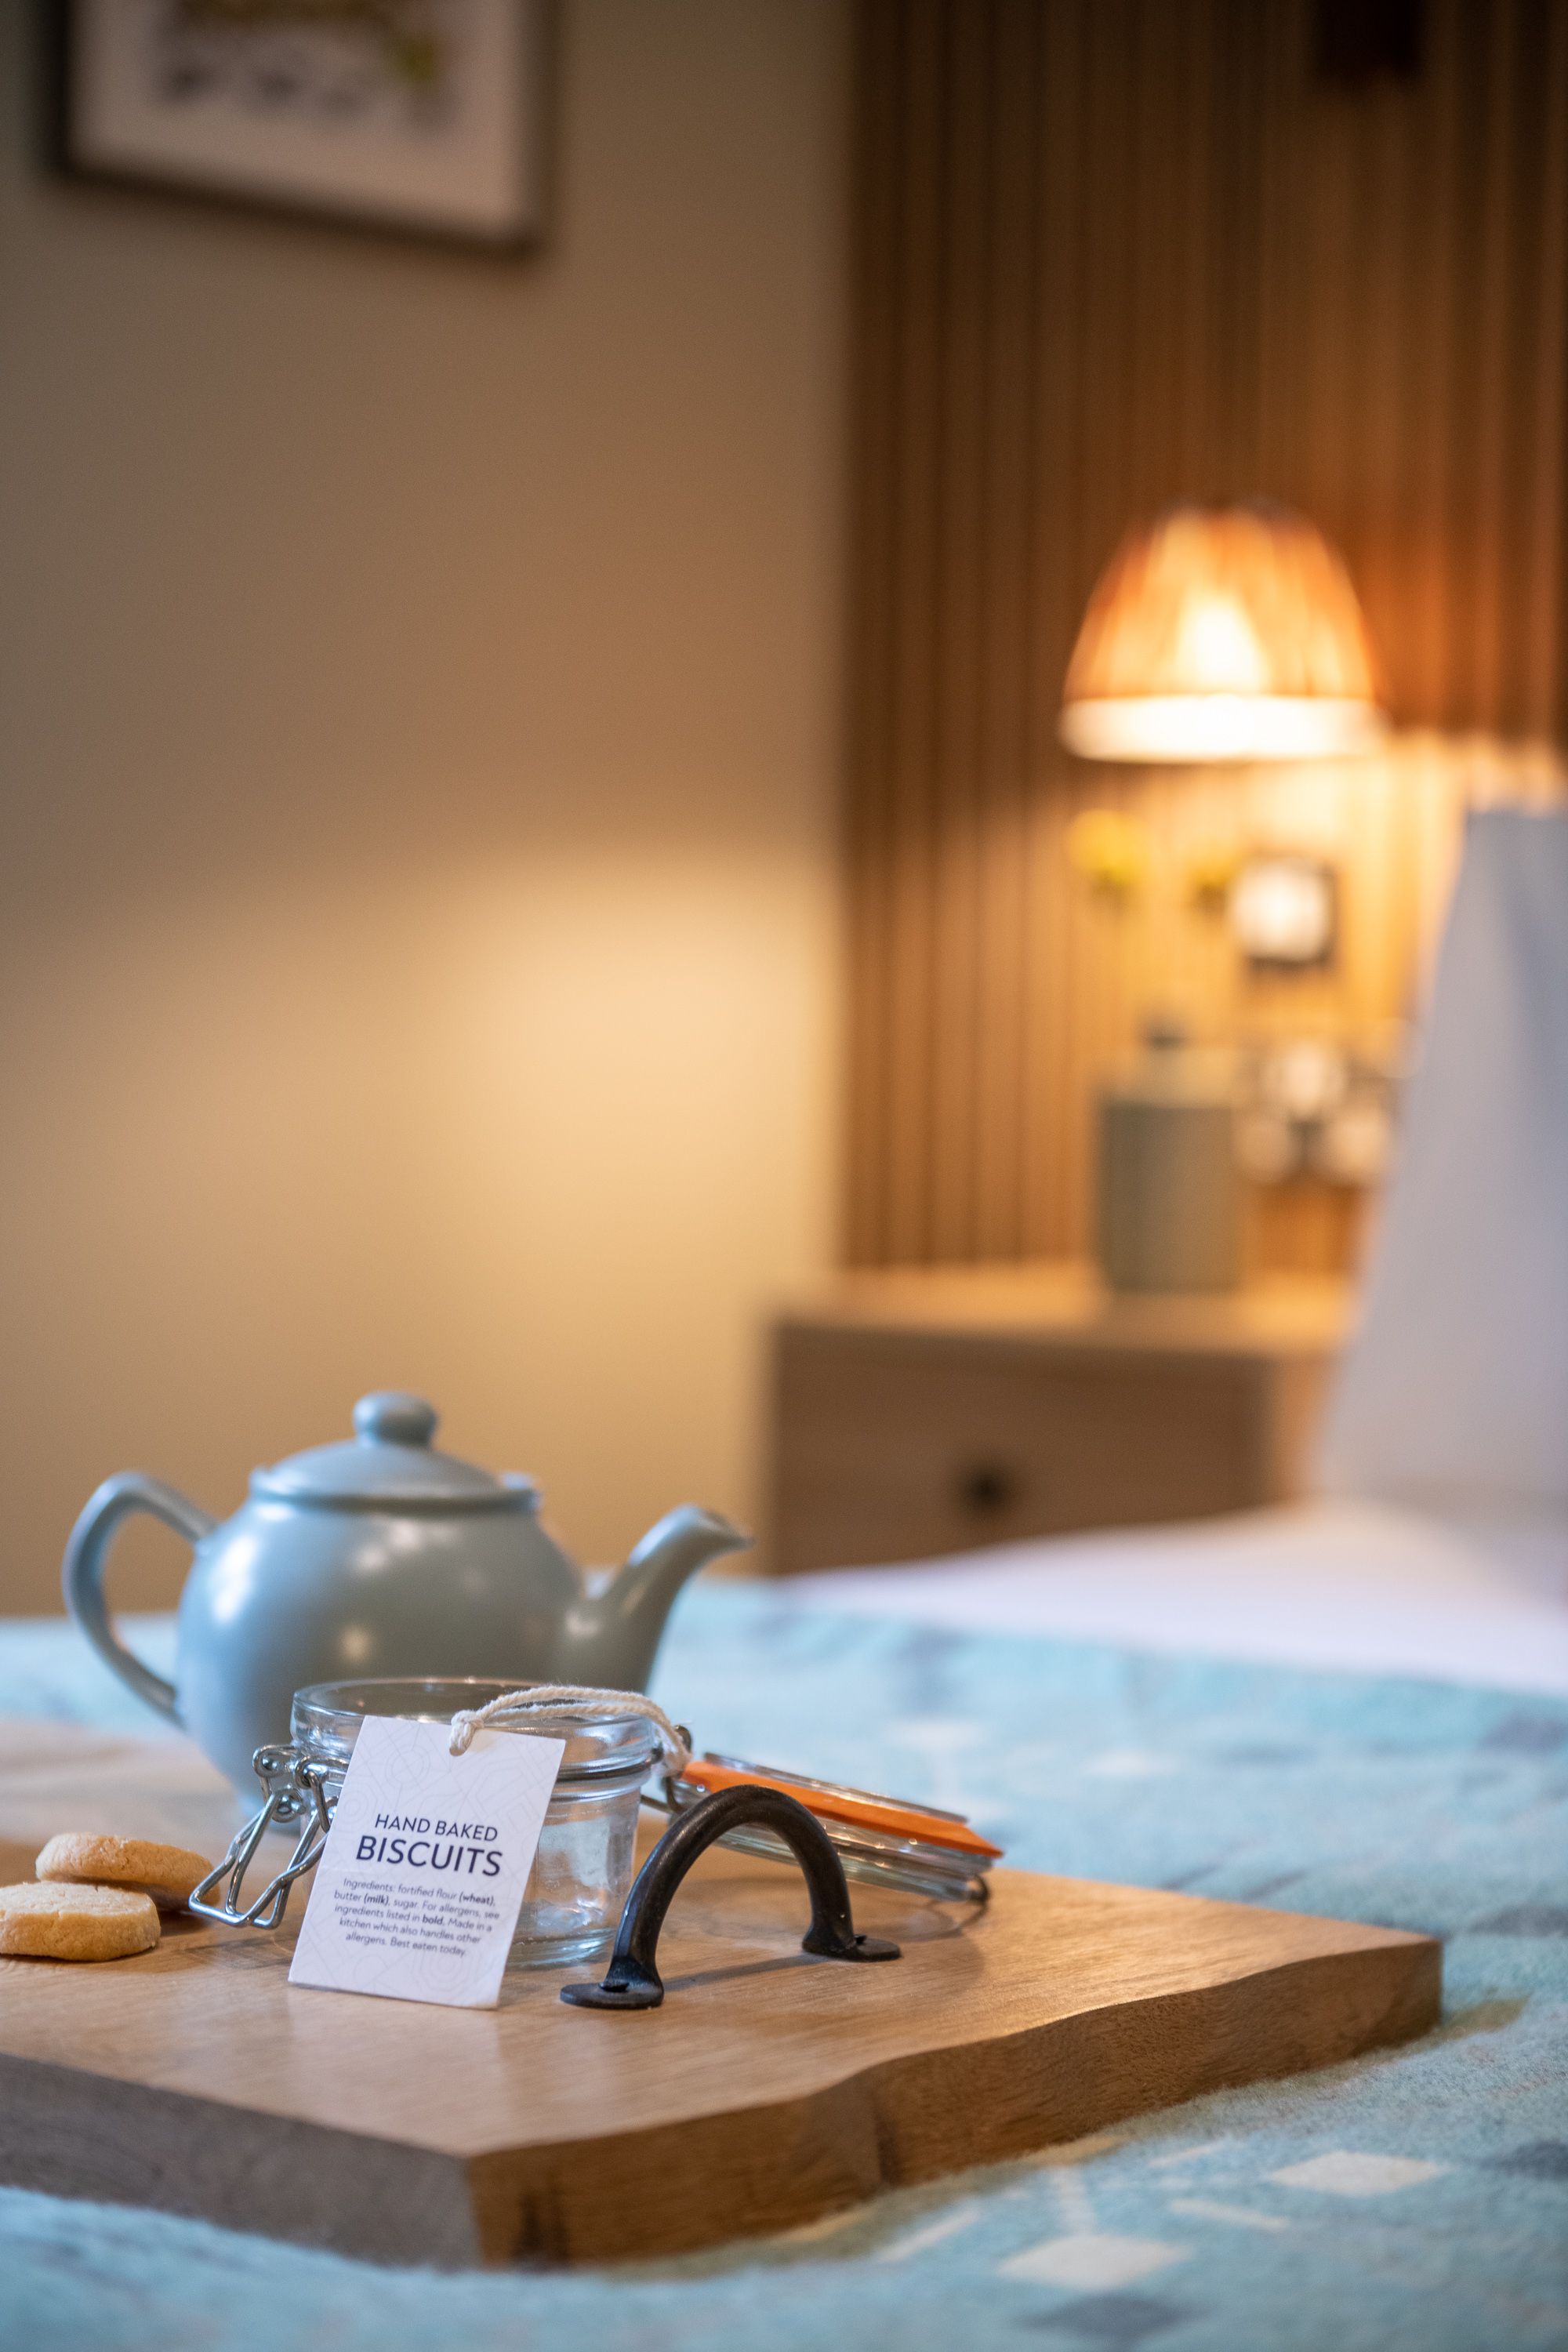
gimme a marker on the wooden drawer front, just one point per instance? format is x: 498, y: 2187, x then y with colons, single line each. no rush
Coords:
x: 892, y: 1447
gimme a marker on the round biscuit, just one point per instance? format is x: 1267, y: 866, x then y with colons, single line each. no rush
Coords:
x: 46, y: 1920
x: 167, y: 1873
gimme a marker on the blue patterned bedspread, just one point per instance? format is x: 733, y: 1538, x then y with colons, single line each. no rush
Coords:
x: 1418, y: 2198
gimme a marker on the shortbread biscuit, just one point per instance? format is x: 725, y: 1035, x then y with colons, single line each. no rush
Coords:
x: 167, y: 1873
x: 47, y: 1921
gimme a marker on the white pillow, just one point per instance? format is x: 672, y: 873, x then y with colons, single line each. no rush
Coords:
x: 1454, y: 1389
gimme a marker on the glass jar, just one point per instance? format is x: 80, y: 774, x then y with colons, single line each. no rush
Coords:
x: 583, y: 1869
x: 884, y: 1841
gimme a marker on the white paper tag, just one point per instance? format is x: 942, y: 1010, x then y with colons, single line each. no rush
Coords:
x: 418, y: 1888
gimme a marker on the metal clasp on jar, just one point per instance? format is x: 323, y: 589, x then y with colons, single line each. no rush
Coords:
x: 296, y: 1789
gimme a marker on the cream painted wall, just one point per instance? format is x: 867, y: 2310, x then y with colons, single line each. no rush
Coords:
x: 418, y: 716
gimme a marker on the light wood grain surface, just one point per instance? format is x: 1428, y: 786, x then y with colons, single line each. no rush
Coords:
x: 769, y: 2089
x: 1063, y: 1304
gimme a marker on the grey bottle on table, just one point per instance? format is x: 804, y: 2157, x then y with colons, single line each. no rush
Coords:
x: 377, y: 1555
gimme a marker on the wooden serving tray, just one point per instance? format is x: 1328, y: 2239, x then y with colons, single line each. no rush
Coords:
x: 769, y: 2089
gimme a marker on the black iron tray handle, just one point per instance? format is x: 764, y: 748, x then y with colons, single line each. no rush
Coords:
x: 633, y: 1981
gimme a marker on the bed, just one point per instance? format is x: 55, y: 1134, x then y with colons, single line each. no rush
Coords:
x: 1358, y: 1708
x: 1369, y: 1586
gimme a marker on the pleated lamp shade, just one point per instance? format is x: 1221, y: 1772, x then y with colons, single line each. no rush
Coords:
x: 1221, y: 632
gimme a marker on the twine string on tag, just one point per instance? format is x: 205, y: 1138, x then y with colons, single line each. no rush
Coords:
x: 581, y: 1698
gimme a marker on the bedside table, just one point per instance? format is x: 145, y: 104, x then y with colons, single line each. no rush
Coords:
x: 918, y: 1411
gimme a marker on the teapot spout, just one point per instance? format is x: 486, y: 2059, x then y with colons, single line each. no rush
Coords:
x: 610, y: 1637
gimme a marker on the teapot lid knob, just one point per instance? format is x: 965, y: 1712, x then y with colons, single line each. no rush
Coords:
x: 392, y: 1417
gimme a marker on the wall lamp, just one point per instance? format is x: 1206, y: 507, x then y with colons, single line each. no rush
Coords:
x: 1221, y: 632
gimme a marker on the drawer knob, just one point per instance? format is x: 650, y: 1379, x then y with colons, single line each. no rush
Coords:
x: 985, y: 1488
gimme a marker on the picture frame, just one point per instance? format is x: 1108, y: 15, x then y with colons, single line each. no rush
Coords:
x: 421, y: 118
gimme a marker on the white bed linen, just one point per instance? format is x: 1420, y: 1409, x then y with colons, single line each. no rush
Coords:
x: 1361, y: 1586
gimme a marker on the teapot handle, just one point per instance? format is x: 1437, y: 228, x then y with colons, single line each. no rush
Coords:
x: 86, y: 1553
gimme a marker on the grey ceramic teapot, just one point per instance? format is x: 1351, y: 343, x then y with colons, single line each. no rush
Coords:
x: 378, y: 1556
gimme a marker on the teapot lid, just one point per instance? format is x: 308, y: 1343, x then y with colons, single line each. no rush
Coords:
x: 391, y: 1465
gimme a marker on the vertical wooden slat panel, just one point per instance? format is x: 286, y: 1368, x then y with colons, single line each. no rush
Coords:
x: 1066, y: 143
x: 1547, y: 687
x: 1533, y: 460
x: 879, y: 115
x: 919, y: 323
x: 955, y: 653
x: 1007, y: 636
x: 1116, y: 252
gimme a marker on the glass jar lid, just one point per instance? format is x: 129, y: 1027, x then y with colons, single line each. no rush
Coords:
x: 325, y: 1720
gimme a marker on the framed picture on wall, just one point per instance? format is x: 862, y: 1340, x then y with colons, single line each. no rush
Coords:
x: 424, y: 116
